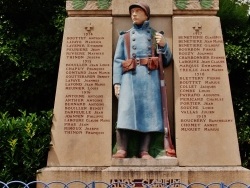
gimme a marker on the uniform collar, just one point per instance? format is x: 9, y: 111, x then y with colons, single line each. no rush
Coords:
x: 145, y: 25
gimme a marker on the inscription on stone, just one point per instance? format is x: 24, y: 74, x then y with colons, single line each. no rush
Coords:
x: 87, y: 76
x: 204, y: 118
x: 83, y: 104
x: 140, y: 182
x: 200, y: 82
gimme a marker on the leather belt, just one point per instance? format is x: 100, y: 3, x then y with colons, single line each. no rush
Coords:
x: 141, y: 61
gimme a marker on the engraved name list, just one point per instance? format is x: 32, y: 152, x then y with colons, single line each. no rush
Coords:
x: 86, y: 78
x: 200, y: 66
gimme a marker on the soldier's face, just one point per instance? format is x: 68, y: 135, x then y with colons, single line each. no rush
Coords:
x: 138, y: 16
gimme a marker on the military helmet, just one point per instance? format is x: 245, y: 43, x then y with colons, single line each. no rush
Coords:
x: 141, y: 5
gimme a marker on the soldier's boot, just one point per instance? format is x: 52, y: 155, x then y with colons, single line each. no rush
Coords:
x: 144, y: 147
x: 122, y: 142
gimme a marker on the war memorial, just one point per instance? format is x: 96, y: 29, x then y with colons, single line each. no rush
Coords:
x: 200, y: 107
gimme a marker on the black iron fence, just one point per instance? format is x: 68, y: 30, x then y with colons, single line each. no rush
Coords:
x: 94, y: 184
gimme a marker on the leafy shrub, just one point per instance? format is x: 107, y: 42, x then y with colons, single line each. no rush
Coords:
x: 30, y: 45
x: 237, y: 47
x: 24, y: 145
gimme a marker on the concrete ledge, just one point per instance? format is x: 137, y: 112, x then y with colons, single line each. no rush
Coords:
x: 195, y: 12
x: 147, y: 174
x: 226, y: 175
x: 163, y: 161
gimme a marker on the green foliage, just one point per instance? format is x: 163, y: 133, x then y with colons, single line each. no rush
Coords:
x: 24, y: 145
x: 236, y: 33
x: 79, y: 4
x: 30, y: 44
x: 206, y: 4
x: 233, y: 14
x: 237, y: 46
x: 101, y: 4
x: 238, y: 50
x: 104, y: 4
x: 181, y: 4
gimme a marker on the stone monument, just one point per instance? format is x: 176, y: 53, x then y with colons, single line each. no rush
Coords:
x: 199, y: 99
x: 82, y: 107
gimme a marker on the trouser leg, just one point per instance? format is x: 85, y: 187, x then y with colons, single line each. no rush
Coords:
x: 144, y: 147
x: 121, y: 139
x: 145, y: 142
x: 122, y: 142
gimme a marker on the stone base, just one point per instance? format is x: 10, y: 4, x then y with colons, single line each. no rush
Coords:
x: 67, y: 174
x: 161, y: 161
x: 226, y: 175
x: 139, y: 172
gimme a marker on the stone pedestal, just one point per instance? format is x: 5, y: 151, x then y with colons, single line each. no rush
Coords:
x: 65, y: 175
x: 82, y: 123
x: 199, y: 100
x: 143, y: 175
x: 204, y: 118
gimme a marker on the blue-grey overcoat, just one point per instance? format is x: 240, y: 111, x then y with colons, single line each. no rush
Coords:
x: 139, y: 106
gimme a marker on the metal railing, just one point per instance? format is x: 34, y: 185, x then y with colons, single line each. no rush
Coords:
x: 94, y: 184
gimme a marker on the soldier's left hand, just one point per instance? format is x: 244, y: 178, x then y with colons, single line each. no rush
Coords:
x: 160, y: 39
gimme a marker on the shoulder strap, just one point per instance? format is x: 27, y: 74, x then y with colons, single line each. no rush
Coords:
x: 127, y: 43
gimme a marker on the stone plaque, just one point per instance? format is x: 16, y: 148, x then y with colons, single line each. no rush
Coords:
x: 81, y: 131
x: 205, y: 125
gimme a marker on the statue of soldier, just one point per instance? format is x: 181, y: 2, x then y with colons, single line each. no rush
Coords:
x: 136, y: 81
